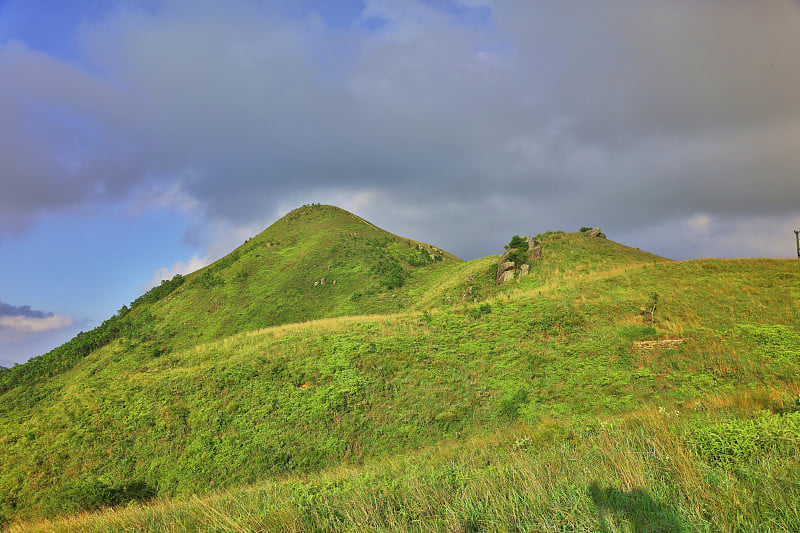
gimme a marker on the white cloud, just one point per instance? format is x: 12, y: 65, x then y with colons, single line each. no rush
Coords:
x: 27, y: 325
x: 180, y: 267
x: 698, y: 225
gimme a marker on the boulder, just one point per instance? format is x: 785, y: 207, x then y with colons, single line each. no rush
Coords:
x: 506, y: 270
x: 532, y: 243
x: 595, y: 232
x: 504, y: 267
x: 470, y: 279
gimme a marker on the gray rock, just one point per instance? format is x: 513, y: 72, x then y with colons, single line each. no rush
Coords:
x: 504, y: 267
x: 524, y: 270
x: 595, y: 232
x: 507, y: 276
x: 536, y: 252
x: 470, y: 279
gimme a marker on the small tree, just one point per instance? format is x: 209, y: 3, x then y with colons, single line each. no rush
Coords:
x: 648, y: 312
x: 520, y: 243
x: 518, y: 248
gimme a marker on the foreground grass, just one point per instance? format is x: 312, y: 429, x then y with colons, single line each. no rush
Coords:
x: 653, y: 470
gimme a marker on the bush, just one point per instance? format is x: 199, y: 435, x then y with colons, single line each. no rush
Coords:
x: 155, y: 294
x: 421, y: 257
x: 480, y: 310
x: 93, y: 495
x: 648, y: 311
x: 519, y: 249
x: 518, y: 257
x: 510, y: 405
x: 519, y: 243
x: 391, y: 273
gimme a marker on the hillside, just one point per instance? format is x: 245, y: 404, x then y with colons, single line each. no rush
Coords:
x: 316, y: 262
x: 610, y: 389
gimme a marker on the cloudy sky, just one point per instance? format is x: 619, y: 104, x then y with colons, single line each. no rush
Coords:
x: 141, y: 138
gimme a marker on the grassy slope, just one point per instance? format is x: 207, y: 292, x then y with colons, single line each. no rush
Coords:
x: 549, y: 365
x: 269, y: 280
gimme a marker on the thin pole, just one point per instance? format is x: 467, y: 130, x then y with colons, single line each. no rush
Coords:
x: 797, y: 238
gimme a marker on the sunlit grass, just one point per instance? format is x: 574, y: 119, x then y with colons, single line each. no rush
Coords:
x: 641, y: 471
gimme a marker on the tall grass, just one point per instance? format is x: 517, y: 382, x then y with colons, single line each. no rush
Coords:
x: 641, y: 472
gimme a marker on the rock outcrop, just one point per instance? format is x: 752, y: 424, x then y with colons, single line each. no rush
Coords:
x: 594, y: 233
x: 503, y: 268
x: 508, y: 270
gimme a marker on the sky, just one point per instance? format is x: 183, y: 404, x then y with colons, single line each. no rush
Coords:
x: 144, y: 138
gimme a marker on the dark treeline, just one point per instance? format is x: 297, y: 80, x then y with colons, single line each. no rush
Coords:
x: 64, y: 357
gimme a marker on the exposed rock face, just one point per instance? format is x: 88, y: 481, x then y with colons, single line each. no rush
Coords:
x: 595, y: 232
x: 507, y: 270
x: 503, y: 268
x: 470, y: 279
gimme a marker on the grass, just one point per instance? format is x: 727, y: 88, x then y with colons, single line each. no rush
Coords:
x: 641, y: 472
x: 523, y: 407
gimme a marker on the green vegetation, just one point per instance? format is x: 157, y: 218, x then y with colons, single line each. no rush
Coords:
x: 247, y: 397
x: 518, y: 250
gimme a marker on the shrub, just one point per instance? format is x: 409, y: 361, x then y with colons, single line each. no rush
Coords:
x: 519, y: 243
x: 510, y: 405
x: 518, y: 248
x: 648, y: 312
x: 92, y: 495
x: 479, y: 310
x: 391, y: 273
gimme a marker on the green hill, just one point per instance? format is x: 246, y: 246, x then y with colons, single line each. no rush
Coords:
x: 315, y: 262
x: 611, y: 389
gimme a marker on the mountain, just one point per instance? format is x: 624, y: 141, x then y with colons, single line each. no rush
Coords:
x: 316, y: 262
x: 610, y: 386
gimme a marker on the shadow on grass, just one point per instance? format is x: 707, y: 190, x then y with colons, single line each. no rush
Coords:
x: 637, y: 507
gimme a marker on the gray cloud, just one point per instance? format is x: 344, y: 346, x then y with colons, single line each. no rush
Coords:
x: 18, y: 322
x: 632, y: 114
x: 21, y: 311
